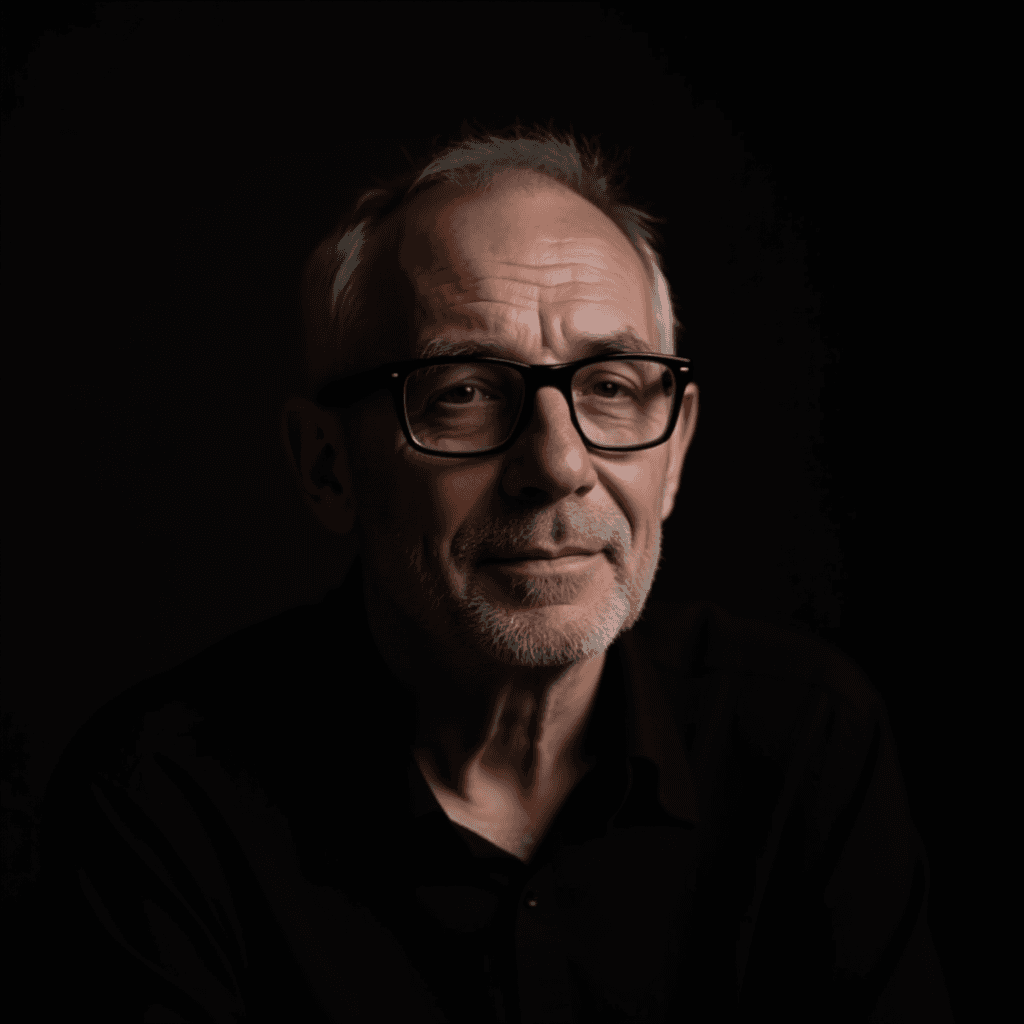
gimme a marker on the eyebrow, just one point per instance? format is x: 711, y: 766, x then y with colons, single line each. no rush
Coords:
x: 621, y: 341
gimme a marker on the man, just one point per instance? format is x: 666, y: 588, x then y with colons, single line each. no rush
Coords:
x: 483, y: 780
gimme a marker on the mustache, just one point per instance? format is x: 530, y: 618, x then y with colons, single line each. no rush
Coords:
x: 571, y: 528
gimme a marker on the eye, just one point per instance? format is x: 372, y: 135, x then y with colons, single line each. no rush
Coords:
x: 462, y: 394
x: 610, y: 388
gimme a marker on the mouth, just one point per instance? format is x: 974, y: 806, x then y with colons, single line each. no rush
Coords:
x: 539, y: 555
x: 542, y: 565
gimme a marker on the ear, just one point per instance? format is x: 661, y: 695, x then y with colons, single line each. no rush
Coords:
x: 679, y: 445
x: 314, y: 445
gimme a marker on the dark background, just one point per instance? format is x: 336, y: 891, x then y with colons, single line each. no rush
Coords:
x: 167, y: 168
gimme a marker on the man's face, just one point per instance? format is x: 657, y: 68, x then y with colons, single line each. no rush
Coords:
x: 536, y: 269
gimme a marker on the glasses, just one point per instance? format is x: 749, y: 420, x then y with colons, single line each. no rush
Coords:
x: 455, y: 406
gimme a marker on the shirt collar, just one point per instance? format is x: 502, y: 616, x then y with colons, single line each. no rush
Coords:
x: 651, y: 726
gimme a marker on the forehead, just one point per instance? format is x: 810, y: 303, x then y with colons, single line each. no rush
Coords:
x: 527, y: 259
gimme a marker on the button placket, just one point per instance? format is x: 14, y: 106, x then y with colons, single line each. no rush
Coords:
x: 544, y: 990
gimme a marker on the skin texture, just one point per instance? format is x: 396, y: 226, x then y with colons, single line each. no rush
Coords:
x: 505, y: 667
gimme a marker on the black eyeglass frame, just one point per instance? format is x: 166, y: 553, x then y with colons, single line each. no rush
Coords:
x: 346, y: 391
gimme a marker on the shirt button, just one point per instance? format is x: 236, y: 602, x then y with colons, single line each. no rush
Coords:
x: 531, y: 899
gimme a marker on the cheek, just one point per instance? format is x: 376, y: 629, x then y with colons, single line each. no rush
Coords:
x: 416, y: 497
x: 448, y: 498
x: 456, y: 492
x: 638, y: 487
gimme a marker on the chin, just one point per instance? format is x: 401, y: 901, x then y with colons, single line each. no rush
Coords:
x: 546, y: 628
x: 554, y: 636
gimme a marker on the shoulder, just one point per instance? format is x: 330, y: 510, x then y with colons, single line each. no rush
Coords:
x: 239, y: 677
x: 782, y: 718
x: 769, y: 678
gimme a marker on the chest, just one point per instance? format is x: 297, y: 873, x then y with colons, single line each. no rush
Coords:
x: 594, y: 933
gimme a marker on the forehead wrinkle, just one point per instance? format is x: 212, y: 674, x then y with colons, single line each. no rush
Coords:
x: 545, y: 276
x: 515, y: 311
x: 480, y: 316
x: 514, y: 290
x: 508, y: 303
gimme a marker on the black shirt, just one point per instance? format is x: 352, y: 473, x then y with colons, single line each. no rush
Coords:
x: 247, y: 837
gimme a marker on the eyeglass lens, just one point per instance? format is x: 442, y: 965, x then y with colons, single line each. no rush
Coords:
x: 473, y: 407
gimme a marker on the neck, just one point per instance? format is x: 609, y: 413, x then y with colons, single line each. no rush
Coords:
x: 518, y: 737
x: 482, y: 725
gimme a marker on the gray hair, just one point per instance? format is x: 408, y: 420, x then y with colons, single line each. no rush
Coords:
x: 337, y: 288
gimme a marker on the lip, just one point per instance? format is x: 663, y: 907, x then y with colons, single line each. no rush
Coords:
x: 540, y: 566
x: 539, y: 554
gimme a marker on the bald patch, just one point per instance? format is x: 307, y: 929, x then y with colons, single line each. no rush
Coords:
x: 554, y: 245
x: 381, y: 326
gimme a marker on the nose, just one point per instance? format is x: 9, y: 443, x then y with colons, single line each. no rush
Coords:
x: 550, y: 460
